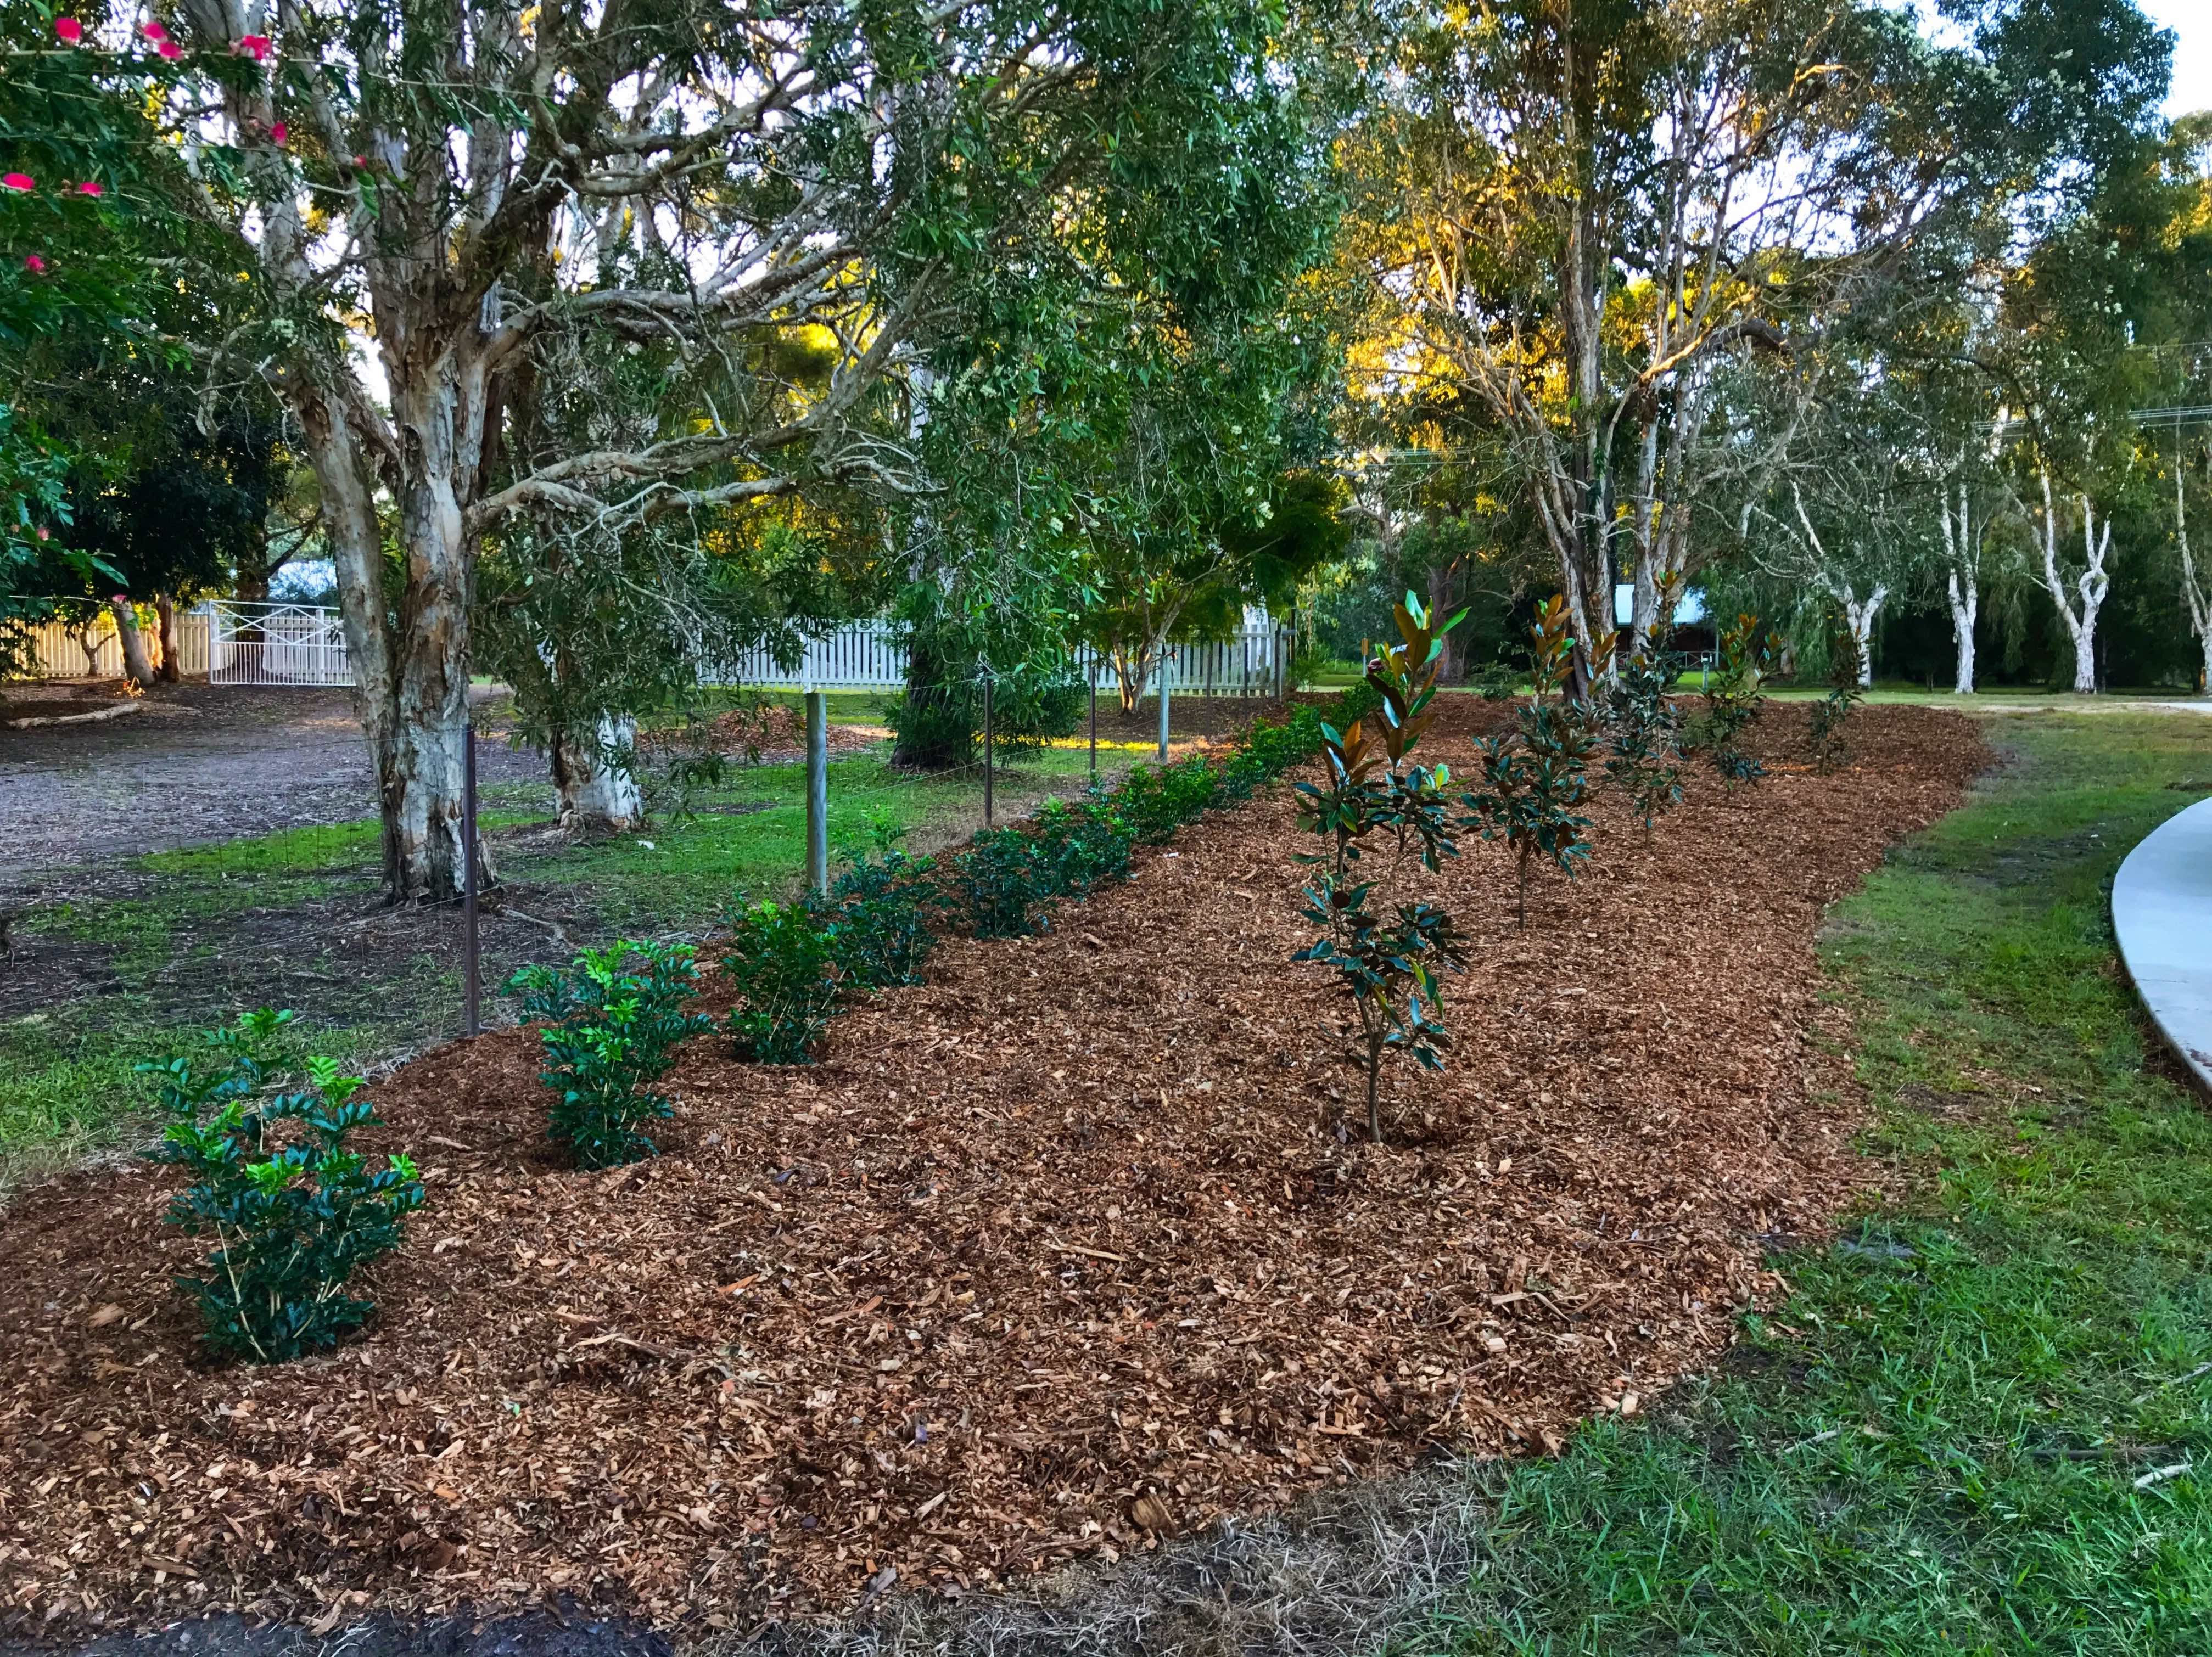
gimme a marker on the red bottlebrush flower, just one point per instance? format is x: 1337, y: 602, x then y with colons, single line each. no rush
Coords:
x: 278, y: 131
x: 170, y: 50
x: 37, y: 267
x: 255, y: 47
x: 153, y: 31
x: 18, y: 181
x: 90, y: 187
x: 70, y: 31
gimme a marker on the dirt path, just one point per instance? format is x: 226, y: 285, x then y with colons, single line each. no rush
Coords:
x: 198, y: 765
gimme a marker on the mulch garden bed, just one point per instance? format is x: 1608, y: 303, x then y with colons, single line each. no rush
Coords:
x: 1053, y: 1256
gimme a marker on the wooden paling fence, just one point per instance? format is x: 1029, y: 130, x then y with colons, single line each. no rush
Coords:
x: 58, y: 649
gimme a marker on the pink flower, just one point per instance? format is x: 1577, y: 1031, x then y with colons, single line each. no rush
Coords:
x: 89, y: 187
x: 255, y: 47
x: 278, y: 131
x: 170, y: 50
x: 35, y: 265
x: 360, y: 160
x: 153, y: 31
x: 43, y: 533
x: 18, y: 181
x: 68, y: 29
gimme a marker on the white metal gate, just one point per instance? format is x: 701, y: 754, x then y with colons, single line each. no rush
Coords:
x: 276, y: 644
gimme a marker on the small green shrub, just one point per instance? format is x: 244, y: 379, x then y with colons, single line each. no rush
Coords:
x: 1734, y: 701
x: 1388, y: 970
x: 877, y: 918
x: 295, y: 1214
x: 1532, y: 779
x: 1496, y: 681
x: 1643, y: 734
x: 784, y: 964
x: 1085, y: 845
x: 1156, y: 800
x: 1003, y: 884
x: 612, y: 1021
x: 1832, y: 746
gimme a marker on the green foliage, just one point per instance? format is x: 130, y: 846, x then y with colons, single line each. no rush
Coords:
x: 1036, y: 694
x: 1387, y: 969
x: 1002, y: 885
x: 1643, y: 741
x: 611, y: 1024
x: 1495, y: 682
x: 294, y: 1214
x: 1532, y: 779
x: 1732, y: 702
x: 1087, y: 844
x: 1940, y: 1443
x: 1156, y: 800
x: 1269, y: 749
x: 1644, y: 727
x: 1830, y: 745
x: 784, y: 966
x: 876, y: 917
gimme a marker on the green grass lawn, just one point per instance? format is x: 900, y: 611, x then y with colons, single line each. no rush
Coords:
x: 1958, y: 1434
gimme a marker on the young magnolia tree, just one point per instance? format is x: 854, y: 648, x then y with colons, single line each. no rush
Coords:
x: 420, y: 192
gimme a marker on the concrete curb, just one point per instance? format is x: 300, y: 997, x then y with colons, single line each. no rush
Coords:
x: 2162, y: 918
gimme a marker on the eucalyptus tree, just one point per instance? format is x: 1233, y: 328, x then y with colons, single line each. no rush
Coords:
x: 1836, y: 528
x: 1125, y: 416
x: 420, y: 192
x: 1596, y: 219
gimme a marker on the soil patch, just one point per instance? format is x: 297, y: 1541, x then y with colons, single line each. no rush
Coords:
x: 1052, y: 1257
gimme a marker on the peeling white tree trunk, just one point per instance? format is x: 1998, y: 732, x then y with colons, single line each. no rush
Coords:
x: 2090, y: 585
x: 1860, y: 614
x: 597, y: 797
x: 409, y: 662
x: 2200, y: 603
x: 1965, y: 600
x: 136, y: 667
x: 1962, y: 548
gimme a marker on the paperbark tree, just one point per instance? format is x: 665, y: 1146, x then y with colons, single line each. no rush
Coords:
x: 453, y: 181
x: 2089, y: 585
x: 1963, y: 534
x: 2194, y: 592
x: 1597, y: 221
x: 136, y: 667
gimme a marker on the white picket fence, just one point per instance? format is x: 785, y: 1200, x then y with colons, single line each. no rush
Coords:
x: 236, y: 643
x: 867, y: 655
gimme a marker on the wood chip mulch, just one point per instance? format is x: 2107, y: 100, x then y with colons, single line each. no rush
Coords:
x: 1051, y: 1257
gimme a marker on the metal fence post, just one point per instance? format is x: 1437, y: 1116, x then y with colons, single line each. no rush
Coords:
x: 987, y: 748
x: 817, y: 792
x: 1094, y: 717
x: 471, y: 971
x: 1164, y: 675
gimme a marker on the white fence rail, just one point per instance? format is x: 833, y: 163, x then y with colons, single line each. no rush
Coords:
x: 87, y: 645
x: 866, y: 656
x: 277, y: 643
x: 237, y: 643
